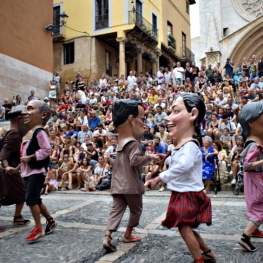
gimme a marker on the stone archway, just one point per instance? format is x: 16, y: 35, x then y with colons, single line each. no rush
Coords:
x: 250, y: 44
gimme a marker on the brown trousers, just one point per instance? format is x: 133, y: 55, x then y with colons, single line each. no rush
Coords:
x: 120, y: 203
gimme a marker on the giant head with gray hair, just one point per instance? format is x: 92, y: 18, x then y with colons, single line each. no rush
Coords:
x: 36, y: 113
x: 249, y: 114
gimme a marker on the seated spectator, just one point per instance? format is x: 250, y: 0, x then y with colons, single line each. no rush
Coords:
x: 84, y: 131
x: 84, y: 173
x: 146, y: 137
x: 92, y: 154
x: 149, y: 148
x: 160, y: 115
x: 99, y: 135
x: 79, y: 155
x: 235, y: 161
x: 100, y: 171
x: 72, y: 134
x: 54, y: 166
x: 225, y: 139
x: 93, y: 103
x: 112, y: 150
x: 105, y: 104
x: 93, y: 121
x: 151, y: 171
x: 80, y: 105
x: 158, y: 147
x: 66, y: 150
x: 251, y: 96
x: 70, y: 175
x: 108, y: 117
x: 225, y: 123
x: 50, y: 183
x: 163, y: 135
x: 87, y: 140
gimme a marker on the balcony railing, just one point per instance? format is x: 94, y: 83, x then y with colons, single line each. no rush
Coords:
x: 171, y: 42
x: 141, y: 22
x: 186, y: 52
x: 108, y: 69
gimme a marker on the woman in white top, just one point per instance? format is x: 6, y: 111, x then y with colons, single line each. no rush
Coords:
x: 189, y: 206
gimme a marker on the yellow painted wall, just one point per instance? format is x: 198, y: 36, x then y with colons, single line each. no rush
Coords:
x: 175, y: 12
x: 81, y: 13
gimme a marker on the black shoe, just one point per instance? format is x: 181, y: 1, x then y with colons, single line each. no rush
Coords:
x: 20, y: 221
x: 246, y: 244
x: 50, y: 226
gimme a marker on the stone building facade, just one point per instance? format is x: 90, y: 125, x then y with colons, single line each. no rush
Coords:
x: 25, y: 48
x: 228, y: 29
x: 114, y: 37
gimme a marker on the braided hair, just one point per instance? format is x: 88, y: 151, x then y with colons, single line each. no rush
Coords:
x: 194, y: 101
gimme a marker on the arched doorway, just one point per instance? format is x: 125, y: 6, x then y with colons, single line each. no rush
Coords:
x: 250, y: 44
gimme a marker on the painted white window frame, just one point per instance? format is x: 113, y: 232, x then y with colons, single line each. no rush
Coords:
x: 103, y: 30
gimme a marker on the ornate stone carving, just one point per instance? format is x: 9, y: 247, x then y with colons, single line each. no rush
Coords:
x: 249, y: 9
x: 253, y: 7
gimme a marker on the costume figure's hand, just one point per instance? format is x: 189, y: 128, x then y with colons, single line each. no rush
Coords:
x: 10, y: 170
x: 162, y: 155
x: 155, y: 181
x: 25, y: 159
x: 154, y: 157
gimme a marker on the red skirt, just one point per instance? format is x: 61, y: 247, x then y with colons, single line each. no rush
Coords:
x: 190, y: 208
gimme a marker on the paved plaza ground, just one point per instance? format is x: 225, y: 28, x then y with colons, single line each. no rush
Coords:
x: 82, y: 218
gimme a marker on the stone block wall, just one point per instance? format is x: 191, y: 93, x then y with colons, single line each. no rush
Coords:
x: 19, y: 78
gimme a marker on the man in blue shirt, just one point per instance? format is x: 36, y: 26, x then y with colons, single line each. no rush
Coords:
x: 71, y: 133
x: 159, y: 148
x: 94, y: 121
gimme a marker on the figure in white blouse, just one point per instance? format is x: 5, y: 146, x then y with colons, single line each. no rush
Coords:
x: 189, y: 206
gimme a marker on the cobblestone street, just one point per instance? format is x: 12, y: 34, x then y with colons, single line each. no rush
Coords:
x: 81, y: 223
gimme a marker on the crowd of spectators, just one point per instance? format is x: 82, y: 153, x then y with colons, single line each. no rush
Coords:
x: 84, y: 140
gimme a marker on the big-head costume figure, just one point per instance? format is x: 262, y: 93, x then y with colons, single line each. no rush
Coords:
x: 127, y: 187
x: 12, y: 188
x: 35, y: 152
x: 251, y: 120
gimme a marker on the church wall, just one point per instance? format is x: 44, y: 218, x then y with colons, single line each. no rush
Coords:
x: 230, y: 18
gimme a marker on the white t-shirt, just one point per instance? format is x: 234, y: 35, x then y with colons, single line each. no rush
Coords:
x: 83, y: 121
x: 102, y: 132
x: 178, y: 74
x: 103, y: 81
x: 231, y: 126
x: 93, y: 101
x: 82, y: 96
x: 131, y: 80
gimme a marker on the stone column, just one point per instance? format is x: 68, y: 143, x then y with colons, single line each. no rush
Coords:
x: 122, y: 69
x: 154, y: 66
x: 158, y: 63
x: 139, y: 61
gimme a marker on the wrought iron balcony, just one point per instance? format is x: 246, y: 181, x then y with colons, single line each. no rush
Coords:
x: 187, y: 53
x: 137, y: 19
x: 171, y: 42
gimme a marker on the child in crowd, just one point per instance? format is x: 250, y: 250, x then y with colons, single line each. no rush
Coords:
x: 150, y: 149
x: 226, y: 139
x: 50, y: 183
